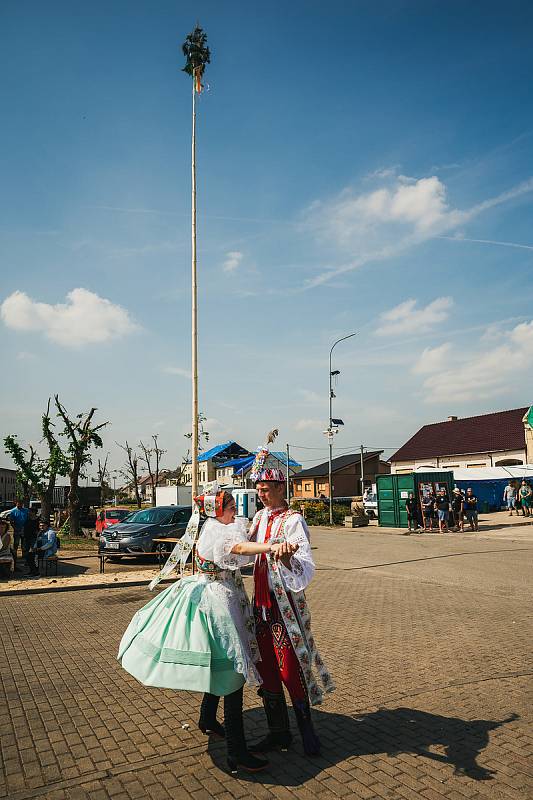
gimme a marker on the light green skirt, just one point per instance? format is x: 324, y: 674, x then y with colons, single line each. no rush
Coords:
x: 172, y: 644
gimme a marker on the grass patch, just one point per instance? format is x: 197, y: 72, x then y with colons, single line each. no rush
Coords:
x: 78, y: 543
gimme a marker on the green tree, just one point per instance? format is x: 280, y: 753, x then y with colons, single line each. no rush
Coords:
x: 82, y: 435
x: 35, y: 472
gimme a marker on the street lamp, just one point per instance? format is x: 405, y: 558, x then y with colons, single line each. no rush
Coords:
x: 114, y: 488
x: 333, y: 426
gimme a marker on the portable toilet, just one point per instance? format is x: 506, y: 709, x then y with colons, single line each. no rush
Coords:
x: 393, y: 491
x: 246, y: 502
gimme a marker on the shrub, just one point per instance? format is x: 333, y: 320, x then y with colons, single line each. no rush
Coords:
x: 317, y: 513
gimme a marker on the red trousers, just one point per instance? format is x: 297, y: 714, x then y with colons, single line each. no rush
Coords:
x: 278, y: 664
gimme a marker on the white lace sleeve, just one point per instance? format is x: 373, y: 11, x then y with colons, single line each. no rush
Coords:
x: 228, y: 536
x: 299, y: 576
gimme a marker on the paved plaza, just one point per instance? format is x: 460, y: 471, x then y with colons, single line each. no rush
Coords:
x: 429, y: 640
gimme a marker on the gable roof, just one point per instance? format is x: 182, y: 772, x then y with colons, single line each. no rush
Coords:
x: 487, y: 433
x: 232, y: 448
x: 246, y: 463
x: 336, y: 464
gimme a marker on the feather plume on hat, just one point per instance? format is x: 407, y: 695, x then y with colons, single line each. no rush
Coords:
x: 262, y: 454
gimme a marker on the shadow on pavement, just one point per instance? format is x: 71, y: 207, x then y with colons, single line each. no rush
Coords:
x: 389, y: 732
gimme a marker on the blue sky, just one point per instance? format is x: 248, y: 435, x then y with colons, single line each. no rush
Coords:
x: 365, y: 169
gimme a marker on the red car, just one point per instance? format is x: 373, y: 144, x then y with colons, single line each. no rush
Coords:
x: 110, y: 516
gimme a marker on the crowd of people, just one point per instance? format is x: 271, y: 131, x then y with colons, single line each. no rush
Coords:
x: 34, y: 536
x: 442, y: 512
x: 518, y: 497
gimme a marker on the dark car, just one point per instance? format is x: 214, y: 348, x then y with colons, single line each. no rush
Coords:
x: 135, y: 535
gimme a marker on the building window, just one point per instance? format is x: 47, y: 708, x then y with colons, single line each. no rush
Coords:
x: 476, y: 466
x: 307, y: 487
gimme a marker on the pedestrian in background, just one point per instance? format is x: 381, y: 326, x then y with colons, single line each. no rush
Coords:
x: 458, y: 510
x: 411, y: 506
x: 18, y: 517
x: 525, y: 494
x: 31, y: 530
x: 442, y: 507
x: 470, y: 506
x: 428, y: 507
x: 46, y: 544
x: 509, y: 498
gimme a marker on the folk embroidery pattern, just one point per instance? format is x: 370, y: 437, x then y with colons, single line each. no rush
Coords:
x: 298, y: 625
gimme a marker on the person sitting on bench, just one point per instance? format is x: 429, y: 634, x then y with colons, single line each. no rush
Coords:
x: 46, y: 544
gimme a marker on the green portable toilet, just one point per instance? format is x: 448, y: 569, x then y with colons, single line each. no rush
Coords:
x: 393, y: 491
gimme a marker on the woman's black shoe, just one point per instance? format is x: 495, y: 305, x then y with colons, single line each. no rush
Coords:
x: 214, y: 729
x: 247, y: 762
x: 208, y: 716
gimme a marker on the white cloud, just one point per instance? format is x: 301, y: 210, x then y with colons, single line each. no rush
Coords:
x: 475, y: 374
x: 409, y: 205
x: 432, y: 359
x: 310, y: 424
x: 170, y: 370
x: 384, y: 223
x: 85, y: 318
x: 233, y: 260
x: 407, y: 318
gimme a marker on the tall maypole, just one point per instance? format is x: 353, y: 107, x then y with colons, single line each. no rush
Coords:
x: 196, y: 52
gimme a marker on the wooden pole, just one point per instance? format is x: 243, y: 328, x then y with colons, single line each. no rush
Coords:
x: 194, y: 309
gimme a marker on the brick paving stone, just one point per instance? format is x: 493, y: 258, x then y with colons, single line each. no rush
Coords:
x: 430, y: 652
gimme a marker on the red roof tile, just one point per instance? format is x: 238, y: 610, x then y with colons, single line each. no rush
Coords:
x: 503, y: 430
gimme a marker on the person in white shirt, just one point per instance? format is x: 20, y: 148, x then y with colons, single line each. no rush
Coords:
x: 282, y: 622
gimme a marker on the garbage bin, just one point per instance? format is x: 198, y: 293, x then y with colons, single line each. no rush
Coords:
x: 485, y: 507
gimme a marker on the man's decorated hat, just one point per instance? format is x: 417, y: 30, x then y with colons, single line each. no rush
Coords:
x: 258, y: 471
x: 271, y: 475
x: 211, y: 503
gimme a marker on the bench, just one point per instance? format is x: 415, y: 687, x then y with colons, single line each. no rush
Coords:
x: 48, y: 563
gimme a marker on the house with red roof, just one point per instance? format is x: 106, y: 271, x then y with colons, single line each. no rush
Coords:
x: 488, y: 440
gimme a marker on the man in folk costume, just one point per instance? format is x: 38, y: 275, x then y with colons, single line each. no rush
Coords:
x: 283, y: 626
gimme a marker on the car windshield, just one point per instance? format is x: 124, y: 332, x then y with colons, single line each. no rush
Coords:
x: 117, y: 513
x: 372, y: 498
x: 150, y: 516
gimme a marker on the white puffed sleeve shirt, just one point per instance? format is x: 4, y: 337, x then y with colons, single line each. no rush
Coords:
x: 302, y: 568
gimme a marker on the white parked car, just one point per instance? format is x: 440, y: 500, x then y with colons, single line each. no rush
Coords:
x: 370, y: 506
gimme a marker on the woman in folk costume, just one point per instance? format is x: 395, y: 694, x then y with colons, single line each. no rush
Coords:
x: 198, y: 634
x: 282, y: 620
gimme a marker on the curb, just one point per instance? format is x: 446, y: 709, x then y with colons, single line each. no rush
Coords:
x: 49, y: 589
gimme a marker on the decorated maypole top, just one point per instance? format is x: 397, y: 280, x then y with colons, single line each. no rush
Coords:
x: 197, y: 53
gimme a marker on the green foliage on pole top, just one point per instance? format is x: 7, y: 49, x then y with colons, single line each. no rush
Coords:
x: 196, y: 52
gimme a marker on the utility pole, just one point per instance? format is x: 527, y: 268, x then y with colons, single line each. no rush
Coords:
x: 288, y: 479
x: 362, y: 473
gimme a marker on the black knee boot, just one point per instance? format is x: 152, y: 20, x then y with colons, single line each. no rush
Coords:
x: 238, y: 755
x: 279, y: 736
x: 311, y: 742
x: 208, y: 716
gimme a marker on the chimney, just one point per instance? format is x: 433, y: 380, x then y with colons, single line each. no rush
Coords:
x: 452, y: 419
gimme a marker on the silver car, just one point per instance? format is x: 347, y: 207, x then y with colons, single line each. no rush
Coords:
x: 135, y: 535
